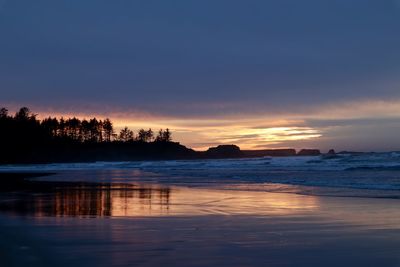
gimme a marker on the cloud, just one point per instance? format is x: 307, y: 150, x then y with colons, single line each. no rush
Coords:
x: 210, y: 70
x: 319, y: 126
x: 270, y: 56
x: 324, y: 123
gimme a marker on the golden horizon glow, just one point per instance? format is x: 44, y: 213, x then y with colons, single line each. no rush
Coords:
x: 200, y: 134
x: 248, y: 131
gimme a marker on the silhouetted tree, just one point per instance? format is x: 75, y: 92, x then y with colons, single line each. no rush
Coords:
x: 149, y: 135
x: 6, y: 129
x: 24, y: 137
x: 163, y: 136
x: 50, y: 126
x: 125, y: 135
x: 159, y: 136
x: 24, y: 114
x: 108, y: 130
x: 73, y: 128
x: 141, y: 135
x: 3, y: 113
x: 145, y: 136
x: 100, y: 131
x: 85, y: 130
x: 94, y: 130
x: 62, y: 128
x: 167, y: 136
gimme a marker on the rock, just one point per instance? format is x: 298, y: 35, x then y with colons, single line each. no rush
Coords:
x: 331, y: 152
x: 309, y: 152
x: 224, y: 151
x: 270, y: 152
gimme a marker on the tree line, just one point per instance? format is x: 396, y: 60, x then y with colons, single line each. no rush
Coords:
x: 24, y: 125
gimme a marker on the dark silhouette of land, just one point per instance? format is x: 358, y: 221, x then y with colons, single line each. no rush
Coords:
x: 26, y: 139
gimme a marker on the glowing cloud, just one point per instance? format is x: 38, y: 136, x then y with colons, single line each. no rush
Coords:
x: 324, y: 127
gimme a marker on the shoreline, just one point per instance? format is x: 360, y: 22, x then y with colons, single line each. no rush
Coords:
x: 194, y: 158
x: 34, y: 180
x: 169, y: 225
x: 63, y: 182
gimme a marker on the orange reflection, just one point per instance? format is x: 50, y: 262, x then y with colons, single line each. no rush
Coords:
x: 138, y: 200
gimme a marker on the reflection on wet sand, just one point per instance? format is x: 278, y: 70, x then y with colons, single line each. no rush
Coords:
x: 143, y: 200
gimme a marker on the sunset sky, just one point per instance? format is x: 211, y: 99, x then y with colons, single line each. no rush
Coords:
x: 259, y: 74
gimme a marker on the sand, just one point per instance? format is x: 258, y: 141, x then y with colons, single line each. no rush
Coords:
x: 162, y: 225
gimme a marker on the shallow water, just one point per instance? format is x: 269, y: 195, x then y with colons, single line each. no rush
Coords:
x: 371, y: 171
x: 107, y: 199
x: 115, y: 218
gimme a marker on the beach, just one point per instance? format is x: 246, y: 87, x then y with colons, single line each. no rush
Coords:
x: 199, y: 133
x: 152, y: 223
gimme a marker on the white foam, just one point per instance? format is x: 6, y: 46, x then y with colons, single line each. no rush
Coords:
x: 369, y: 170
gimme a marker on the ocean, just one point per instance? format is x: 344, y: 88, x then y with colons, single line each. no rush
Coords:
x: 347, y: 174
x: 337, y: 210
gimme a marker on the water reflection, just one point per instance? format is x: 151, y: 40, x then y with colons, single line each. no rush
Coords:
x: 44, y: 198
x: 83, y: 199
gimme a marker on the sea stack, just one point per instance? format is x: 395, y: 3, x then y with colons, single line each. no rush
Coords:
x: 331, y: 152
x: 224, y: 151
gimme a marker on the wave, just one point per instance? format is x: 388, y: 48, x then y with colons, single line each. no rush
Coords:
x: 375, y: 168
x: 374, y: 171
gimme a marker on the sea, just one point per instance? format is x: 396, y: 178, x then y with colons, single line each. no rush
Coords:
x: 345, y: 174
x: 328, y: 210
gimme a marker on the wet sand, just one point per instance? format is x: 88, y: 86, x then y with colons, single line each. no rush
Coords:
x: 150, y: 224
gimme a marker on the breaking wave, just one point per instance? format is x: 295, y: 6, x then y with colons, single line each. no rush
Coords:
x: 374, y: 171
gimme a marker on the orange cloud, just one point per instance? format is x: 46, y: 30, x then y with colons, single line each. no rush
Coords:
x: 247, y: 131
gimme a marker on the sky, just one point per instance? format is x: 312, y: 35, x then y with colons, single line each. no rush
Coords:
x: 256, y: 73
